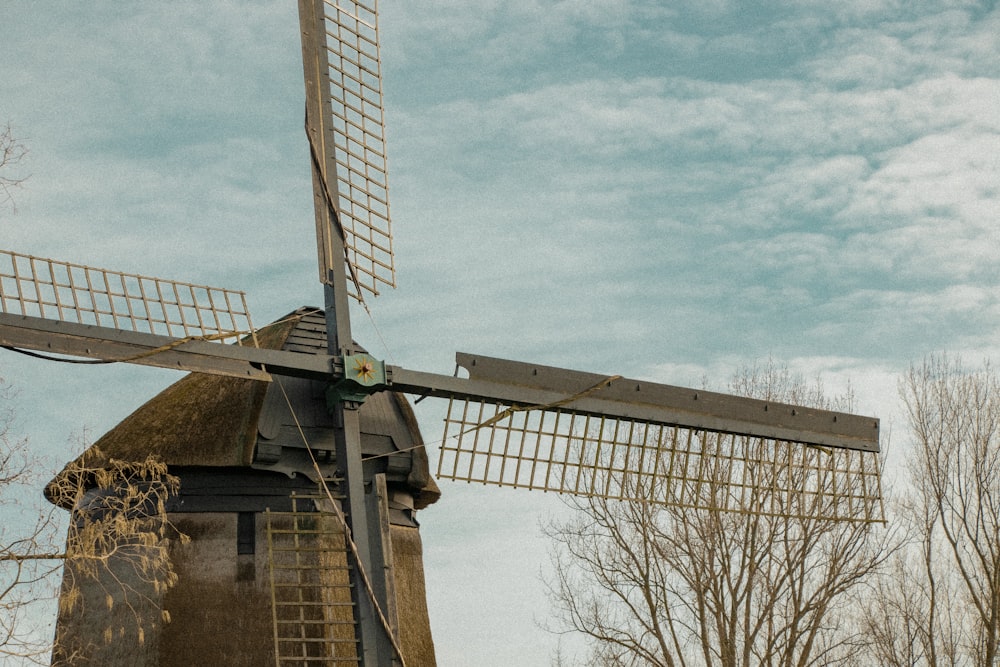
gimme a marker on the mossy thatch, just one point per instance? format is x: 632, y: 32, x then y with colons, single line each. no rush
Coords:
x: 200, y: 420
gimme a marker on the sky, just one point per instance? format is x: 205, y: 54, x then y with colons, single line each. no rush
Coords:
x: 666, y: 191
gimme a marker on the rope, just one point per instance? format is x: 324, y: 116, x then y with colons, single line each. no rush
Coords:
x: 332, y: 209
x: 503, y: 414
x: 378, y: 332
x: 399, y: 451
x: 135, y: 357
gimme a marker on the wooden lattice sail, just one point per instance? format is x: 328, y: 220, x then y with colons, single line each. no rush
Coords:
x: 579, y: 454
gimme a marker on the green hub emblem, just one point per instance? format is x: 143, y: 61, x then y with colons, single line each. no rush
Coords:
x: 363, y: 374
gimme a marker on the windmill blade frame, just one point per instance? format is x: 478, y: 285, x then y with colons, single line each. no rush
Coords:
x: 345, y: 124
x: 67, y: 292
x: 551, y: 429
x: 580, y: 454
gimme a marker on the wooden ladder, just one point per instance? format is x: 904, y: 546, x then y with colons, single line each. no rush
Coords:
x: 314, y: 620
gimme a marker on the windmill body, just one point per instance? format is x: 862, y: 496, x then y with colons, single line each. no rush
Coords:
x: 246, y: 481
x: 509, y: 423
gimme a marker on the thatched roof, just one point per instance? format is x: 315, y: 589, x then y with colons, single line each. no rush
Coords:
x: 216, y: 421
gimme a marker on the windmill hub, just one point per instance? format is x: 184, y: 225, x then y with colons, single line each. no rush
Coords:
x: 360, y: 376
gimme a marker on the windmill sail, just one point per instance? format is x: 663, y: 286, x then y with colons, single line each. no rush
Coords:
x: 346, y: 127
x: 538, y: 427
x: 108, y: 316
x: 56, y: 290
x: 568, y: 452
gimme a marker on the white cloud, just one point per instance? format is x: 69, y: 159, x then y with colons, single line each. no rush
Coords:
x: 954, y: 173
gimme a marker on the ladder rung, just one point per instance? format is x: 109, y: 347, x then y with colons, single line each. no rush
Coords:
x: 332, y: 661
x: 301, y: 659
x: 293, y: 568
x: 314, y: 622
x: 316, y: 640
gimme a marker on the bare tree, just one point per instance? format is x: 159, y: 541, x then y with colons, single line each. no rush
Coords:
x: 12, y: 151
x: 26, y: 584
x: 118, y: 544
x: 654, y: 584
x: 945, y: 590
x: 118, y: 535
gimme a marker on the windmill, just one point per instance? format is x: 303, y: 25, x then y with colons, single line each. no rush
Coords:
x: 508, y: 424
